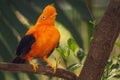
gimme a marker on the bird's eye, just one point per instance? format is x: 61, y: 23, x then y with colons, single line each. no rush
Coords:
x: 44, y: 17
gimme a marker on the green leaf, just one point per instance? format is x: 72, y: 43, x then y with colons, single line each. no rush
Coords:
x: 110, y: 61
x: 93, y: 22
x: 67, y: 53
x: 80, y: 54
x: 60, y: 50
x: 118, y: 58
x: 117, y: 44
x: 115, y: 66
x: 117, y: 76
x: 73, y: 67
x: 58, y: 60
x: 72, y: 45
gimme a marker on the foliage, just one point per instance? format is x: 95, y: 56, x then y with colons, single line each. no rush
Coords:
x: 112, y: 69
x: 72, y: 49
x: 117, y: 44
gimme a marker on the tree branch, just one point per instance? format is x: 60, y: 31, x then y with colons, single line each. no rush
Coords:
x: 45, y: 70
x: 107, y: 30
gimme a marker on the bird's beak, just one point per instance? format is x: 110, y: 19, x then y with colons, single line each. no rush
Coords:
x: 54, y: 14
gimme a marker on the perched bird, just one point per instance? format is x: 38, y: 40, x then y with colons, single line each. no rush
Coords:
x: 40, y: 40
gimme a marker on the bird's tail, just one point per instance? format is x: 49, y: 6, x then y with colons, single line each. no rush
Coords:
x: 18, y: 60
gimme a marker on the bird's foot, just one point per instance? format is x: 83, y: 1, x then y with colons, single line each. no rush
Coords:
x: 50, y: 64
x: 35, y: 66
x: 53, y: 68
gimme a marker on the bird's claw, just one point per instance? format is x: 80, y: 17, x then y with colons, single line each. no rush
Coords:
x: 53, y: 68
x: 35, y: 67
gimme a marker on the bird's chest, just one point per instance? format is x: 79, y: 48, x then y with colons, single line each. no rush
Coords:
x: 47, y: 36
x: 46, y: 41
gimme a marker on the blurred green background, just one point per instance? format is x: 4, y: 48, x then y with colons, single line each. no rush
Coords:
x: 76, y: 21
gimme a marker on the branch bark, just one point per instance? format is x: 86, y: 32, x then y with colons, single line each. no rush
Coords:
x: 45, y: 70
x: 107, y: 30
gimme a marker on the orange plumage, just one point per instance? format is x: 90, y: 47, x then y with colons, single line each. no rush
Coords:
x: 40, y: 40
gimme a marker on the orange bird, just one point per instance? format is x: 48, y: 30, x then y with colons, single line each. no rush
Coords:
x: 40, y: 40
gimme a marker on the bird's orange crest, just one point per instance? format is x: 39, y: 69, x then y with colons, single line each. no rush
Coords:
x: 48, y: 15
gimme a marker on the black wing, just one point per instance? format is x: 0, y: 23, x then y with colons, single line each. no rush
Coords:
x: 25, y: 44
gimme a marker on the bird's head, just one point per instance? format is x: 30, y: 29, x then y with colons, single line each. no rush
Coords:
x: 48, y: 15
